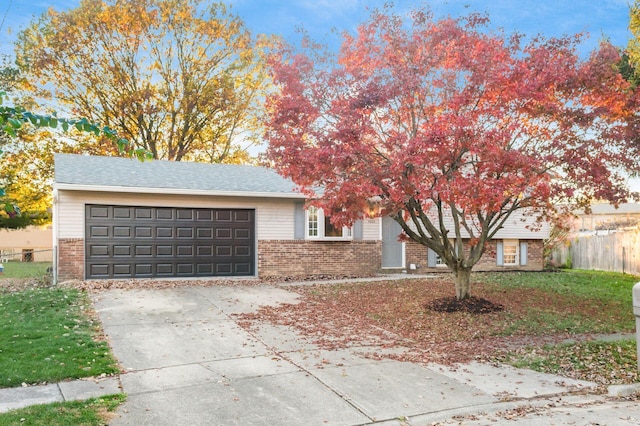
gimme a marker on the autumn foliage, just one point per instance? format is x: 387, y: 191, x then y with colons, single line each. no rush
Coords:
x: 450, y: 128
x: 180, y: 79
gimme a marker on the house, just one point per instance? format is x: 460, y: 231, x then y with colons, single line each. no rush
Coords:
x: 606, y: 217
x: 122, y: 218
x: 31, y: 244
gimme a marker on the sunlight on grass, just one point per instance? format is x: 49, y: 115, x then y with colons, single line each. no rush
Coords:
x: 25, y: 269
x: 589, y: 284
x: 47, y: 337
x: 92, y: 412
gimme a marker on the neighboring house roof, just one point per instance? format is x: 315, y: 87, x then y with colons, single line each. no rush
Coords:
x: 605, y: 208
x: 81, y: 172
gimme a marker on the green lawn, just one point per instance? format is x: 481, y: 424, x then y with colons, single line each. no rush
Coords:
x: 25, y: 269
x: 609, y: 293
x: 46, y: 335
x: 601, y: 285
x: 92, y: 412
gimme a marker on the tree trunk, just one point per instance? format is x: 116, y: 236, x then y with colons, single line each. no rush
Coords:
x: 463, y: 287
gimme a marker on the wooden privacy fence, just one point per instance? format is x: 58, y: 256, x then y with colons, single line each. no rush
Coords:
x: 616, y: 251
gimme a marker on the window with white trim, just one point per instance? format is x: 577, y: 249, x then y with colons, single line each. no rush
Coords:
x: 319, y: 227
x: 510, y: 253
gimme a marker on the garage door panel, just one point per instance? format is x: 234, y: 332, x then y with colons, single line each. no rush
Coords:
x: 122, y: 269
x: 99, y: 212
x: 242, y: 268
x: 185, y: 214
x: 184, y: 251
x: 143, y: 232
x: 119, y: 251
x: 121, y: 232
x: 99, y: 232
x: 223, y: 233
x: 204, y: 215
x: 144, y: 269
x: 164, y: 232
x: 242, y: 234
x: 204, y: 251
x: 242, y: 216
x: 99, y: 250
x: 165, y: 269
x: 143, y: 213
x: 183, y: 232
x: 223, y: 268
x: 130, y: 241
x: 164, y: 214
x: 99, y: 270
x: 164, y: 250
x: 121, y: 213
x: 184, y: 269
x: 204, y: 233
x: 144, y: 251
x: 243, y: 251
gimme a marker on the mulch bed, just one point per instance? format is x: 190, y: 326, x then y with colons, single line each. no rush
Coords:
x: 472, y: 305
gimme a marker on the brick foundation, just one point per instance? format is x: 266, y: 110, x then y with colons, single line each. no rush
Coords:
x: 70, y: 259
x: 304, y: 258
x: 417, y: 254
x: 299, y: 258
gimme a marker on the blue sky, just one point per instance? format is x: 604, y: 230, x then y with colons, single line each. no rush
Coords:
x: 598, y: 18
x: 551, y: 18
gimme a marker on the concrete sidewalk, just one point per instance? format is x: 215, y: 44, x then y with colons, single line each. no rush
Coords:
x: 13, y: 398
x: 188, y: 362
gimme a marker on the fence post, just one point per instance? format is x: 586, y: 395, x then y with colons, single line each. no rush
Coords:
x: 636, y: 312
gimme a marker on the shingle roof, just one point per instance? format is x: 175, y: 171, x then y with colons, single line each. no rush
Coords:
x: 82, y: 170
x: 605, y: 208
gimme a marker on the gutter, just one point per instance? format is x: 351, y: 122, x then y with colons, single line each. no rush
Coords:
x: 175, y: 191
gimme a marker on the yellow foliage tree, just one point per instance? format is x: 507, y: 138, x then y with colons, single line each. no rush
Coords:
x: 179, y: 78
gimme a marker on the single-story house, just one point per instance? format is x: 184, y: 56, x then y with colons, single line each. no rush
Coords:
x: 31, y: 244
x: 122, y: 218
x: 606, y: 217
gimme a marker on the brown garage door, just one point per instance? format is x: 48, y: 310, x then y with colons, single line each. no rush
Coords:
x: 142, y: 242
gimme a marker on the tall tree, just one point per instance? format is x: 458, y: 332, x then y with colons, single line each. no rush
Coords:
x: 178, y: 78
x: 451, y: 128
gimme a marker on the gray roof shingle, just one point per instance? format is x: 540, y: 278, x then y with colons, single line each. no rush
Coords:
x: 82, y: 170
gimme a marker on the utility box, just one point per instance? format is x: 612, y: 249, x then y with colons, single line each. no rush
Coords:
x: 636, y: 312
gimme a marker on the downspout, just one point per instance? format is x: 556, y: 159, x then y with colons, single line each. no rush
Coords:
x: 55, y: 228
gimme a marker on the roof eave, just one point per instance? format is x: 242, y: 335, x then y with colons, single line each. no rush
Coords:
x: 175, y: 191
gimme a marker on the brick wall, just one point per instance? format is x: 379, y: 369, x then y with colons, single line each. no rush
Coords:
x: 417, y: 254
x: 70, y: 259
x: 304, y: 258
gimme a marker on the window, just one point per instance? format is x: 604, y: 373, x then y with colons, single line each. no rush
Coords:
x: 512, y: 253
x: 319, y: 226
x: 434, y: 260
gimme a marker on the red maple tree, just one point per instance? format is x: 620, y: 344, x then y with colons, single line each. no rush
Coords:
x: 451, y: 128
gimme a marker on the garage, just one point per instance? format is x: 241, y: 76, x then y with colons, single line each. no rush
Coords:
x: 147, y: 242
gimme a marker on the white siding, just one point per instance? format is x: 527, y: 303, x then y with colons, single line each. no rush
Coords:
x: 516, y: 227
x: 274, y: 217
x: 371, y: 229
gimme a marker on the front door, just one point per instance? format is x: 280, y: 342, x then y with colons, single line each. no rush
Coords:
x: 392, y: 249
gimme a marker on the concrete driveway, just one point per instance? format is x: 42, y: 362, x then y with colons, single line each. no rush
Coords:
x: 188, y: 362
